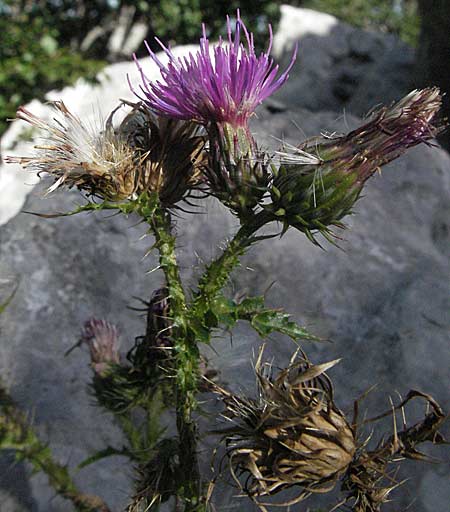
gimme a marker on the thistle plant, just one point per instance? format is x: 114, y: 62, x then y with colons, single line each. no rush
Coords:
x: 187, y: 138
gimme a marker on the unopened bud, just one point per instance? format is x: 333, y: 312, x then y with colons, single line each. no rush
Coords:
x: 238, y: 172
x: 318, y: 183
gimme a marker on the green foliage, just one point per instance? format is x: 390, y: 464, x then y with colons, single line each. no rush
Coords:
x: 223, y: 312
x: 400, y: 18
x: 32, y: 62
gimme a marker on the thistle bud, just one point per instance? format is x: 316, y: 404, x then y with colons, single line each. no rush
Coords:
x: 293, y: 435
x: 318, y: 183
x: 102, y: 339
x: 144, y: 154
x: 156, y: 345
x: 237, y: 173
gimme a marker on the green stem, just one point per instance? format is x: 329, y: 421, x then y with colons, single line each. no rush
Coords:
x: 17, y: 435
x: 186, y: 356
x: 218, y: 271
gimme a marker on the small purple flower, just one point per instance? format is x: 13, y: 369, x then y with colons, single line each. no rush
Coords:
x: 102, y: 338
x: 225, y: 87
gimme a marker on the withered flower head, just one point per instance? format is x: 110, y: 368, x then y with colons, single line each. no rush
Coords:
x: 143, y: 154
x: 293, y: 435
x: 318, y: 183
x: 102, y: 338
x: 171, y: 153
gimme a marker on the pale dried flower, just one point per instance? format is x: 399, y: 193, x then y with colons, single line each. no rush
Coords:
x: 144, y: 154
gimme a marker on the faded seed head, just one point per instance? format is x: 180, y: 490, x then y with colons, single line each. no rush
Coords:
x: 144, y: 154
x: 75, y: 155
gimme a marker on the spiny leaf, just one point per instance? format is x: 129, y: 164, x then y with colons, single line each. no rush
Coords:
x: 270, y: 321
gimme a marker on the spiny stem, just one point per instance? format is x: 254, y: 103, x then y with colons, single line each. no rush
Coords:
x: 16, y: 434
x: 218, y: 271
x: 186, y: 356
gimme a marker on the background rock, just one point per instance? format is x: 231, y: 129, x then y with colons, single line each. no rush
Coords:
x: 382, y: 298
x: 340, y: 67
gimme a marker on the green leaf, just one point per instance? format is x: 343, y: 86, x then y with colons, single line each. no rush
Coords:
x: 225, y: 311
x: 271, y: 321
x: 102, y: 454
x: 266, y: 321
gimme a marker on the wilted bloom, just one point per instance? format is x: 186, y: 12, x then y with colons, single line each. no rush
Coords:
x: 292, y: 436
x: 224, y: 87
x: 318, y: 183
x: 102, y: 338
x: 156, y: 344
x: 144, y: 154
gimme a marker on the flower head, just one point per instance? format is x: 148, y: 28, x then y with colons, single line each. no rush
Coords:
x: 318, y: 183
x: 292, y: 436
x: 102, y: 339
x: 226, y: 86
x: 145, y: 153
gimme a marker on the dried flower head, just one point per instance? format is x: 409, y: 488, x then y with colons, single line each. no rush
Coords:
x: 293, y: 435
x: 144, y: 154
x: 170, y: 151
x: 75, y: 155
x: 102, y: 338
x: 225, y: 87
x: 318, y: 183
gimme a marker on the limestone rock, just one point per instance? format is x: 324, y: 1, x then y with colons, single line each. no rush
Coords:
x: 340, y: 67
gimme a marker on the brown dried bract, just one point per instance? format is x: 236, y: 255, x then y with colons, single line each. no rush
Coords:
x: 292, y: 436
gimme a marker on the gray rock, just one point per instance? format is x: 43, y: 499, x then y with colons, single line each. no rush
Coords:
x: 382, y: 298
x: 340, y: 67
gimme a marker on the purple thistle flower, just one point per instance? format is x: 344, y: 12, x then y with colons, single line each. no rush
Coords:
x: 225, y: 87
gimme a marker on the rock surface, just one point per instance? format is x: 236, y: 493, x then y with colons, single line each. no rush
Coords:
x: 383, y: 300
x: 340, y: 67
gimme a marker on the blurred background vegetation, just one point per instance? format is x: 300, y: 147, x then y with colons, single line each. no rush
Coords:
x: 49, y: 44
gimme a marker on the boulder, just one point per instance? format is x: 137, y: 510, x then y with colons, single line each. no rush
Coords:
x: 340, y: 67
x: 381, y: 298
